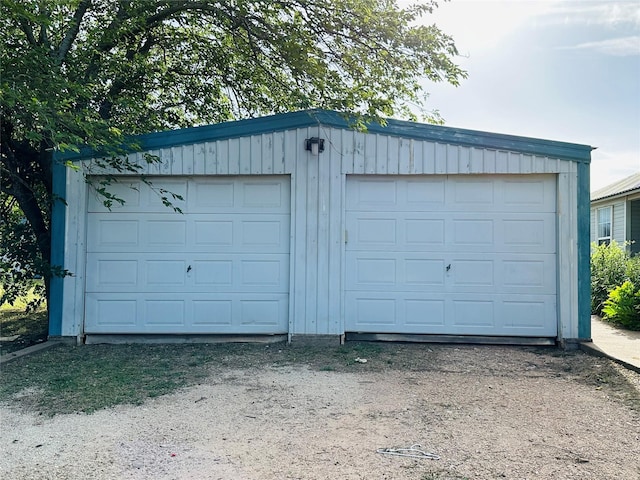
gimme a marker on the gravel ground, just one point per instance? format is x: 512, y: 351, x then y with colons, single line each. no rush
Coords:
x: 488, y: 412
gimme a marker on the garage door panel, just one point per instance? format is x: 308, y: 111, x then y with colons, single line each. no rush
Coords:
x: 475, y: 314
x: 509, y: 193
x: 264, y: 233
x: 504, y: 273
x: 396, y: 271
x: 527, y: 233
x: 106, y: 233
x: 152, y: 272
x: 430, y: 232
x: 528, y: 313
x: 366, y: 311
x: 267, y: 233
x: 232, y: 195
x: 448, y: 314
x: 186, y: 313
x: 476, y: 274
x: 264, y: 195
x: 500, y: 232
x: 164, y: 313
x: 519, y: 274
x: 529, y: 194
x: 126, y: 189
x: 104, y: 313
x: 372, y: 230
x: 163, y: 272
x: 210, y: 233
x: 425, y: 194
x: 463, y: 273
x: 209, y: 196
x: 140, y: 197
x: 167, y: 234
x: 212, y: 313
x: 405, y: 232
x: 163, y: 190
x: 476, y: 193
x: 424, y: 233
x: 424, y: 312
x: 378, y: 194
x: 221, y: 266
x: 472, y: 232
x: 481, y: 262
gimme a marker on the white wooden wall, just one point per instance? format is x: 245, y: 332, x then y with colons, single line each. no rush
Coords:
x: 317, y: 218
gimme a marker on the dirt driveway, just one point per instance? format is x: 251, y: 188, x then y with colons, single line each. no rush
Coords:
x: 487, y: 412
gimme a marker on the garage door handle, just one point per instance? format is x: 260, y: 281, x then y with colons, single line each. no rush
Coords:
x: 448, y: 267
x: 188, y: 268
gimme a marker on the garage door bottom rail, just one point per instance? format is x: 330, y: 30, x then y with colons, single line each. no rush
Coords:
x: 471, y: 339
x: 91, y: 339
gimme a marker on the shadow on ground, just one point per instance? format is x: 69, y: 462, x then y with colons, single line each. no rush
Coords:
x: 20, y: 330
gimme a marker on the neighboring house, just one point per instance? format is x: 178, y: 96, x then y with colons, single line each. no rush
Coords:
x: 297, y: 225
x: 615, y: 213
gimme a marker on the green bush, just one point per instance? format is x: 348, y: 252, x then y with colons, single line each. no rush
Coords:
x: 633, y: 270
x: 609, y: 269
x: 622, y: 307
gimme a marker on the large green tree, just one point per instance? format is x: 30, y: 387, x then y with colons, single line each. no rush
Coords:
x: 91, y: 72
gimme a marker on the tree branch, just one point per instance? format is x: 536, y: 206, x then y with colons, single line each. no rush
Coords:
x: 18, y: 188
x: 74, y: 28
x: 43, y: 39
x: 25, y: 26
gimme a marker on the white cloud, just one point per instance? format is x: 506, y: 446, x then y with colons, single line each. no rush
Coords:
x: 608, y: 13
x: 482, y: 24
x: 609, y: 167
x: 619, y: 47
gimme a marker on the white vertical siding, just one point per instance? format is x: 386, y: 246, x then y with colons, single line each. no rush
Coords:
x: 567, y: 253
x: 74, y: 255
x: 317, y: 203
x: 619, y: 226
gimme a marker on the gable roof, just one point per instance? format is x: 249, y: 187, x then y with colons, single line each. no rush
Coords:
x: 626, y: 185
x: 315, y: 117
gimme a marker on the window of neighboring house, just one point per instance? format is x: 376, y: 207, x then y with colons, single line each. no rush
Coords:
x: 604, y: 225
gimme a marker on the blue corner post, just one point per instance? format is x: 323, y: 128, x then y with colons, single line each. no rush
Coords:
x: 584, y: 255
x: 58, y: 218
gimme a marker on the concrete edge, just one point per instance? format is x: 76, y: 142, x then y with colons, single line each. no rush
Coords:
x: 126, y: 339
x: 316, y: 340
x: 8, y: 357
x: 591, y: 349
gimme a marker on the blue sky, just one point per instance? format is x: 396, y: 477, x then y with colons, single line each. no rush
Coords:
x: 565, y: 70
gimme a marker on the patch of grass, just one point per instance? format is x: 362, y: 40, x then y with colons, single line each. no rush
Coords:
x: 29, y: 328
x: 84, y: 379
x: 67, y: 379
x: 21, y: 302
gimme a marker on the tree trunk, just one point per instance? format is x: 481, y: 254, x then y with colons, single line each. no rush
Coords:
x: 36, y: 212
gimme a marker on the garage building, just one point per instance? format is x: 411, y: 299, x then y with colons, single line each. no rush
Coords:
x: 298, y: 224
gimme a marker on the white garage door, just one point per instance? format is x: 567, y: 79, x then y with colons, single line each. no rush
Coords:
x: 459, y: 255
x: 222, y: 266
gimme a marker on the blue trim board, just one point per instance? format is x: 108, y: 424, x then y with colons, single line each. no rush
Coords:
x: 58, y: 219
x: 308, y: 118
x: 584, y: 270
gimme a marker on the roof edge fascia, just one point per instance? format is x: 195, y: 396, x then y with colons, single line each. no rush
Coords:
x: 632, y: 192
x: 307, y: 118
